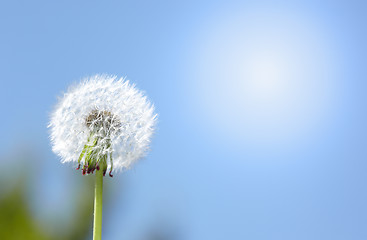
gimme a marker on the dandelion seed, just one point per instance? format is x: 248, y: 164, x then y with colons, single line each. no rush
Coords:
x: 103, y: 122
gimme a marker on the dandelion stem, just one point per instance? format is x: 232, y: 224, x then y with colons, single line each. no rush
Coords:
x: 97, y: 226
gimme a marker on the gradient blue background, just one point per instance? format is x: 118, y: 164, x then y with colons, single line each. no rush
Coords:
x: 206, y: 176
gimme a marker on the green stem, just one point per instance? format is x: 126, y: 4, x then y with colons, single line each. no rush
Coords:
x: 97, y: 226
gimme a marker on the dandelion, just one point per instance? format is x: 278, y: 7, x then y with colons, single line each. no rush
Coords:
x: 102, y: 124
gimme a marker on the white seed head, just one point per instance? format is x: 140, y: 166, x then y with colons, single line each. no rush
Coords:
x: 102, y: 120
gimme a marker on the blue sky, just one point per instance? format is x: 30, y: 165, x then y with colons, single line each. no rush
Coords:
x: 262, y: 120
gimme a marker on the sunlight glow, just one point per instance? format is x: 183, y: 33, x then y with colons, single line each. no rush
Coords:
x: 263, y: 76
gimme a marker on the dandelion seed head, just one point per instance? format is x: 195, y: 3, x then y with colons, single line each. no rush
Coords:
x: 103, y: 118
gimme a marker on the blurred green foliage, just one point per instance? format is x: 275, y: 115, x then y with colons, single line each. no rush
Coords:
x: 18, y: 223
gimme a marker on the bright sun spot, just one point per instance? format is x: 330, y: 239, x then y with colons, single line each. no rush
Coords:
x: 262, y: 77
x: 268, y: 76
